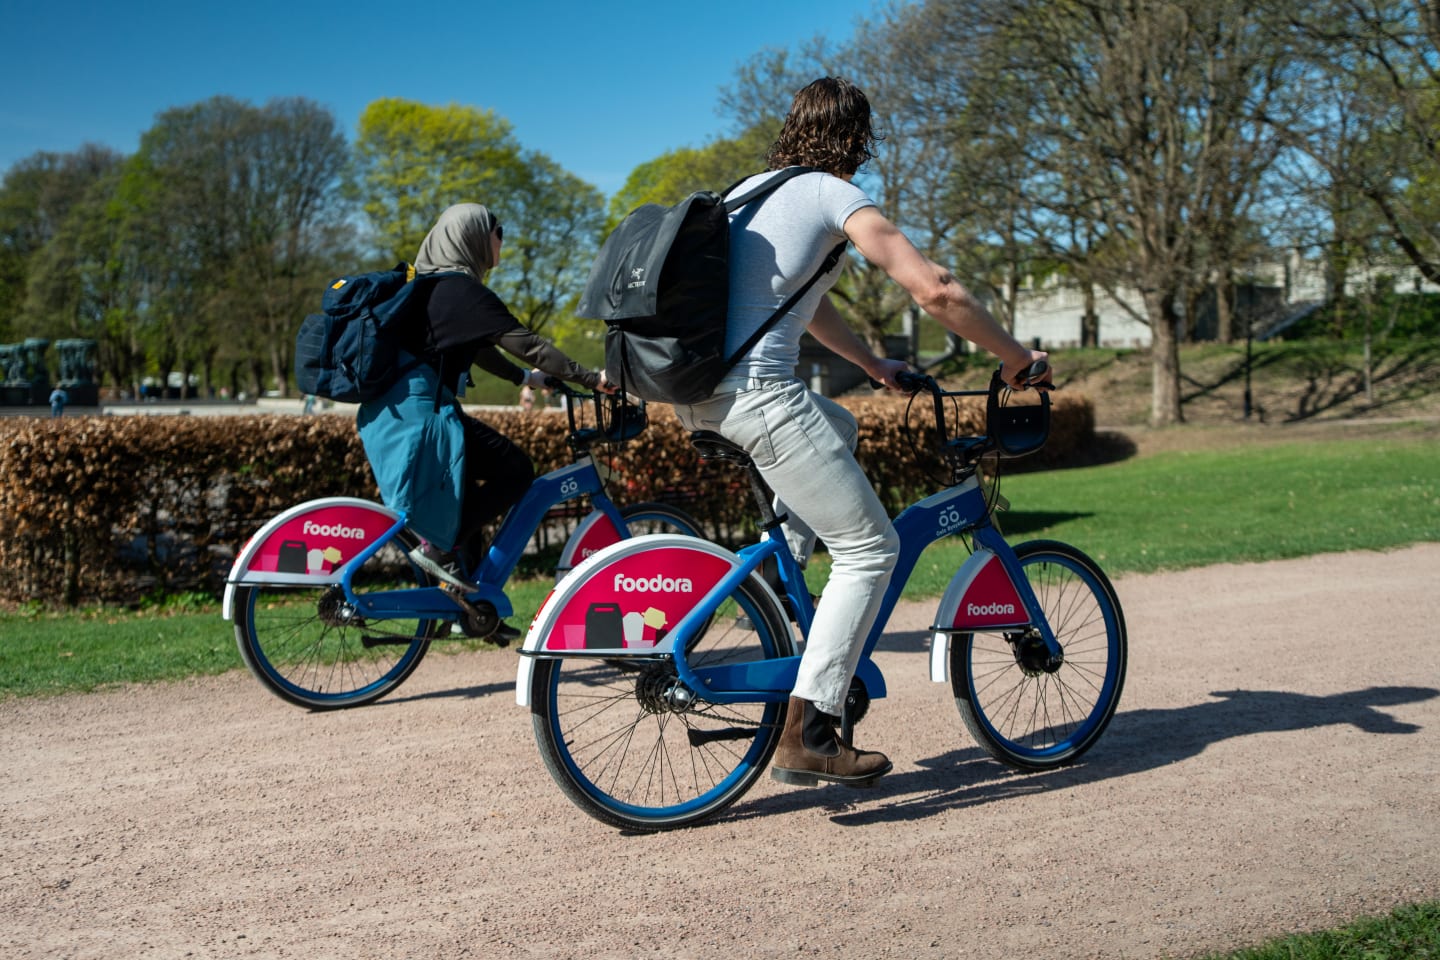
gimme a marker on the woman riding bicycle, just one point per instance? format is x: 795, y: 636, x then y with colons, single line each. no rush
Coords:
x: 450, y: 473
x: 802, y: 442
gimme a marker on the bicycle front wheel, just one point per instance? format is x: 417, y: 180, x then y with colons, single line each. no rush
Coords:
x: 1023, y: 711
x: 309, y: 647
x: 634, y: 748
x: 643, y: 518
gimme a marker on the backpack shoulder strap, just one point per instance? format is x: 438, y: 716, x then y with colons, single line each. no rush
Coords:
x: 789, y: 304
x: 764, y: 189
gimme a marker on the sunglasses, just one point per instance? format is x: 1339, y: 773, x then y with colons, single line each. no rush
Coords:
x: 499, y: 232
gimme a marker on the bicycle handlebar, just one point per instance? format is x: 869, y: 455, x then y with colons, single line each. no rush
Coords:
x: 625, y: 421
x: 1007, y: 430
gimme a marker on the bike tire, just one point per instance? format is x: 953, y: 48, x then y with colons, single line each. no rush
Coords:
x: 643, y: 518
x: 1024, y: 716
x: 627, y: 760
x: 299, y: 644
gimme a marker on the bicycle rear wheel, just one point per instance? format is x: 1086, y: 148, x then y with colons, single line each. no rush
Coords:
x: 307, y: 645
x: 633, y: 749
x: 1023, y: 713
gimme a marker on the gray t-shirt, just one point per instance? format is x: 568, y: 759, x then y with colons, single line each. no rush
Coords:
x: 775, y: 246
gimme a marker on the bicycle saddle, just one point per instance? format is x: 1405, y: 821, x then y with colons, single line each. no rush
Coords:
x: 712, y: 446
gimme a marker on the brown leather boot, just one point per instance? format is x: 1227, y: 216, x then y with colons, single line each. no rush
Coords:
x: 811, y: 750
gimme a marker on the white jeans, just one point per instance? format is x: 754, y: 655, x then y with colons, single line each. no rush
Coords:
x: 804, y: 446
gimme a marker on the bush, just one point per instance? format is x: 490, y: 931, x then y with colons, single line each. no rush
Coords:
x: 118, y: 509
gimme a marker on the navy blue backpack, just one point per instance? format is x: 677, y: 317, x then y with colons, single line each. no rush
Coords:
x: 348, y: 352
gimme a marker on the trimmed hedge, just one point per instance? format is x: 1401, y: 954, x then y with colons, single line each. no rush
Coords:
x: 115, y: 509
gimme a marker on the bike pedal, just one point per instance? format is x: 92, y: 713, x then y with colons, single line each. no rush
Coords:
x: 479, y: 622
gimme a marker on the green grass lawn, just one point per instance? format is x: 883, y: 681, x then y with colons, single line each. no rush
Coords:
x: 1409, y: 933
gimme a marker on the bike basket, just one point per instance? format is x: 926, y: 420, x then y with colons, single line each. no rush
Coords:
x: 1018, y: 429
x: 621, y: 420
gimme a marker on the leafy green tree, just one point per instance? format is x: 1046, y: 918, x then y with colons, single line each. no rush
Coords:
x: 1147, y: 130
x: 1370, y: 119
x: 78, y: 282
x: 242, y: 221
x: 673, y: 176
x: 413, y: 160
x: 36, y: 198
x: 554, y: 219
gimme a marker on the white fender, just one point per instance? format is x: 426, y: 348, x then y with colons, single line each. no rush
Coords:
x: 590, y: 535
x: 945, y: 613
x: 625, y: 600
x: 981, y: 596
x: 317, y: 531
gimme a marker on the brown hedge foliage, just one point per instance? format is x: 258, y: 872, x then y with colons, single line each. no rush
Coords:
x: 111, y: 509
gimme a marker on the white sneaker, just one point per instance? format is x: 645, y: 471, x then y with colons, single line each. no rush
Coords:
x: 442, y: 564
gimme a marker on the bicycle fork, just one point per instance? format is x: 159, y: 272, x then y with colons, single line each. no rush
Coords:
x: 990, y: 592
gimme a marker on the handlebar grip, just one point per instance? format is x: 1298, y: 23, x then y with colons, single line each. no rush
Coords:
x: 1037, y: 372
x: 912, y: 382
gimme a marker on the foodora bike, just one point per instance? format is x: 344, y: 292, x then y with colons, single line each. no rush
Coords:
x: 658, y: 671
x: 331, y: 611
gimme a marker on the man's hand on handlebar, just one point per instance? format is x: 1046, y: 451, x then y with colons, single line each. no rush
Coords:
x: 1034, y: 372
x: 605, y: 386
x: 889, y: 371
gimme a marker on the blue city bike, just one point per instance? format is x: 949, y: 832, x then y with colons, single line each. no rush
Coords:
x: 330, y: 609
x: 658, y: 672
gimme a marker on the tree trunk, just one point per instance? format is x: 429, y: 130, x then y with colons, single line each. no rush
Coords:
x: 1165, y: 360
x: 1090, y: 321
x: 1224, y: 307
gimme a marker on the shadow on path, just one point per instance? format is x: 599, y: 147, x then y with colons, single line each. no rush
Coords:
x: 1136, y: 741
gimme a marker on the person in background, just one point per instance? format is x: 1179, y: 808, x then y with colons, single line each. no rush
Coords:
x: 802, y: 442
x: 58, y: 399
x: 453, y: 474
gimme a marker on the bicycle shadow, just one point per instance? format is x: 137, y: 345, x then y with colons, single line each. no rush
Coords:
x: 905, y: 641
x: 462, y: 693
x: 1135, y: 742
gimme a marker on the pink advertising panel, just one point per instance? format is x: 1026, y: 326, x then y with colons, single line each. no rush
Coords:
x: 990, y: 601
x: 317, y: 541
x: 632, y: 602
x: 594, y: 534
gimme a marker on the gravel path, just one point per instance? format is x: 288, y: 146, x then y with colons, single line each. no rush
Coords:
x: 1272, y: 769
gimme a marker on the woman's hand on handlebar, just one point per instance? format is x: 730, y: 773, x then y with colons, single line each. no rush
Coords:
x: 1033, y: 372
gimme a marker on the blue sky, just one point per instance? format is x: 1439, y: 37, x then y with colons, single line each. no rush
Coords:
x: 601, y: 87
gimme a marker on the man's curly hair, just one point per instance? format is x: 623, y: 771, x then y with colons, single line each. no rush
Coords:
x: 828, y: 127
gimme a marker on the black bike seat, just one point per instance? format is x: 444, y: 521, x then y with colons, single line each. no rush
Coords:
x: 712, y: 446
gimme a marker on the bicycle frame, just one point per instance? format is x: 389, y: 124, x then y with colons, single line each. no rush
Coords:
x: 333, y: 525
x: 989, y: 592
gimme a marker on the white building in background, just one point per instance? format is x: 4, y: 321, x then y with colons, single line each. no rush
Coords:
x: 1051, y: 312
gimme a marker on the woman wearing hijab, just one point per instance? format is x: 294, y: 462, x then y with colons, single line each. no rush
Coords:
x: 450, y: 473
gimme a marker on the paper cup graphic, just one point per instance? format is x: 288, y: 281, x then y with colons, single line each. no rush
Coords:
x: 635, y: 630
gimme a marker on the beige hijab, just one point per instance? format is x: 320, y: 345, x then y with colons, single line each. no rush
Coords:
x: 460, y: 240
